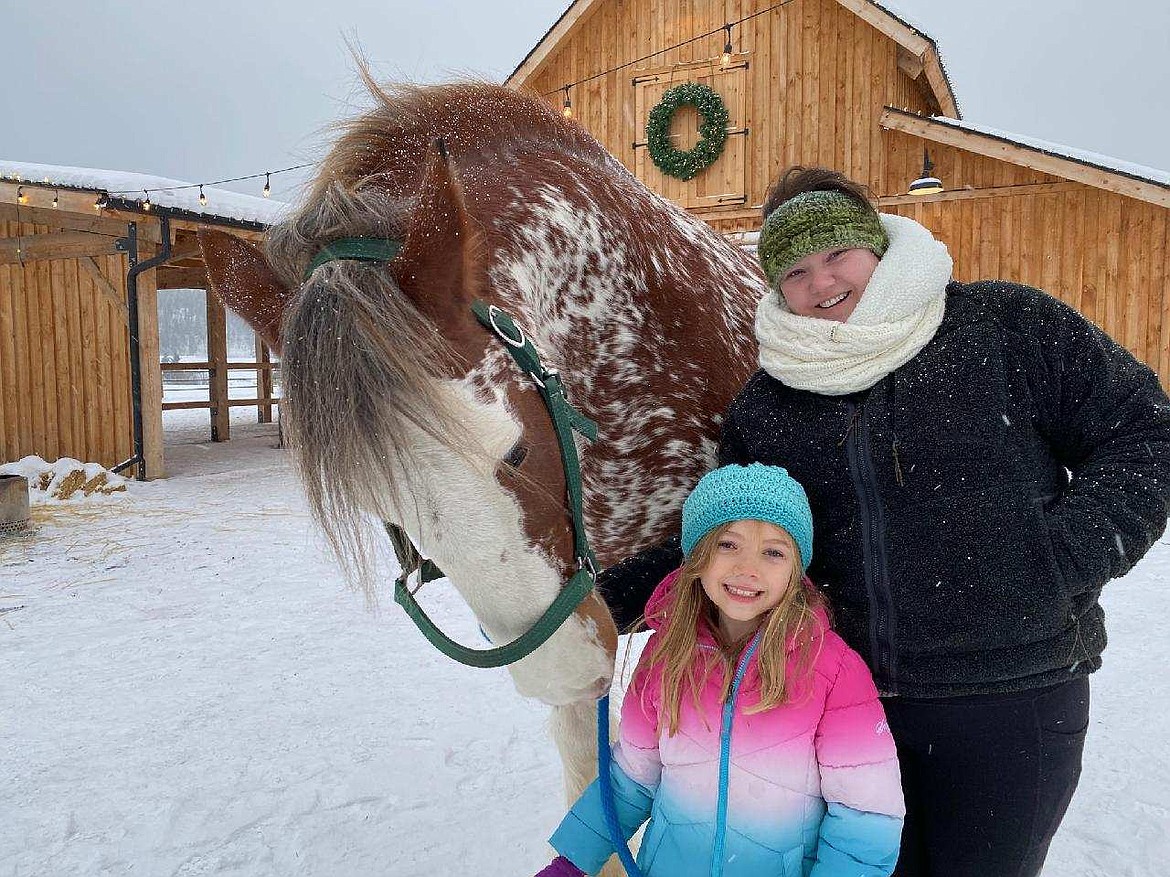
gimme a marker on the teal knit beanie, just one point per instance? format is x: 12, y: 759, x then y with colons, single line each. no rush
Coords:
x: 755, y: 492
x: 813, y: 222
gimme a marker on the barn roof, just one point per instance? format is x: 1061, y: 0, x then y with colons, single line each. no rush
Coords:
x: 1093, y: 169
x: 128, y: 191
x: 917, y: 44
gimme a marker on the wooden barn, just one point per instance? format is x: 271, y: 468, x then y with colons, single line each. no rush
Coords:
x: 849, y: 85
x: 83, y: 254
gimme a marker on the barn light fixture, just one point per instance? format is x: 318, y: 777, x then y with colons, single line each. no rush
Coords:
x: 202, y: 197
x: 725, y: 61
x: 927, y: 184
x: 146, y: 205
x: 267, y: 184
x: 567, y: 109
x: 21, y: 198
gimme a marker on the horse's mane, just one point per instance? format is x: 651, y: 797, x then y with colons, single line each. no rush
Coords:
x: 481, y: 123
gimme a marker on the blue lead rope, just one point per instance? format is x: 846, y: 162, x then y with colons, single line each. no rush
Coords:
x: 607, y: 806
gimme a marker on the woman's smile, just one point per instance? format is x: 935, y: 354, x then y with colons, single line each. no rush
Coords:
x: 835, y: 300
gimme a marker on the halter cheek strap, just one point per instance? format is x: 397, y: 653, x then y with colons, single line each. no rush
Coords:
x: 355, y: 250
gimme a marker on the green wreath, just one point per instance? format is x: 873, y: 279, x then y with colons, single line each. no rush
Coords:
x: 713, y: 131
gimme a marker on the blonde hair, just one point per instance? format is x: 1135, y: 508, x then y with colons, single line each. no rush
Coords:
x: 676, y: 651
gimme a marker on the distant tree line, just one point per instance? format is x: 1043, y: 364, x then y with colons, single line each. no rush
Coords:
x: 182, y: 327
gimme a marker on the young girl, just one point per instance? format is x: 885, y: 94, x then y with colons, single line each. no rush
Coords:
x: 751, y: 735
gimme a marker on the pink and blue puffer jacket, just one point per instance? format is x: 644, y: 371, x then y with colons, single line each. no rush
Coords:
x: 807, y: 789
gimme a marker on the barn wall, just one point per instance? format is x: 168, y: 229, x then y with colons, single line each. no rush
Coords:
x: 64, y: 358
x: 818, y: 79
x: 1104, y: 254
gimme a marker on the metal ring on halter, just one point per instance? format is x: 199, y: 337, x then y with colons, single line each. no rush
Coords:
x: 492, y: 311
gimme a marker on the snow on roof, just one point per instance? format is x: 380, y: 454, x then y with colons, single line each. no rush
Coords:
x: 221, y: 204
x: 1058, y: 150
x: 914, y: 25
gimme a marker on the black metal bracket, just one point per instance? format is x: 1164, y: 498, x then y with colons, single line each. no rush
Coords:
x: 129, y: 245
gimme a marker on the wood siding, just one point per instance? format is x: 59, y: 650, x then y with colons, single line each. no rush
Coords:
x: 817, y: 80
x: 64, y: 357
x: 1102, y: 253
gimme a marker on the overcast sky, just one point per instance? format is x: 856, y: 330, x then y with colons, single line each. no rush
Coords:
x: 209, y: 89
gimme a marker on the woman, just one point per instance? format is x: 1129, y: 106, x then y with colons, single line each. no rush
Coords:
x: 980, y: 461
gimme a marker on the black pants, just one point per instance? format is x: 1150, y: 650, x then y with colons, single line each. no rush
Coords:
x: 987, y: 778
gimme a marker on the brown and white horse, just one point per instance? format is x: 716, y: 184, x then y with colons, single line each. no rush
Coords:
x: 401, y: 406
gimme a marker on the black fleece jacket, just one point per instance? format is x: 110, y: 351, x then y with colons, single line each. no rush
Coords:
x: 968, y: 507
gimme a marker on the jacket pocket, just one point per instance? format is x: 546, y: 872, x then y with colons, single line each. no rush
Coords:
x: 1046, y: 546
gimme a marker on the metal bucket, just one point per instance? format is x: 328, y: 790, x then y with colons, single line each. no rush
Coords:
x: 14, y: 513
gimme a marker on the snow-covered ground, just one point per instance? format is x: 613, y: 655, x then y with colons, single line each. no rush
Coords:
x: 189, y: 688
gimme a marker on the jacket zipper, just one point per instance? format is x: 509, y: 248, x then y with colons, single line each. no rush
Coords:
x: 725, y: 757
x: 882, y: 619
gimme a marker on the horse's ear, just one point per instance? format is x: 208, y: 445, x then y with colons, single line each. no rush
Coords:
x: 244, y: 281
x: 434, y: 268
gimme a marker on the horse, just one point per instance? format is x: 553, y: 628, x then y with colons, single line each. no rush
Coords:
x: 401, y: 407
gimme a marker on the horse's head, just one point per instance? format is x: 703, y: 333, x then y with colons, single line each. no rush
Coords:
x: 399, y: 405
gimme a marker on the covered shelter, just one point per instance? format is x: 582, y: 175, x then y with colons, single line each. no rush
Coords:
x: 83, y: 254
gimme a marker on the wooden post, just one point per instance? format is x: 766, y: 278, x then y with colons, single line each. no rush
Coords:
x: 148, y: 363
x: 218, y: 375
x: 263, y: 381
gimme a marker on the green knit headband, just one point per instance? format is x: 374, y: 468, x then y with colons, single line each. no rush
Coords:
x: 813, y: 222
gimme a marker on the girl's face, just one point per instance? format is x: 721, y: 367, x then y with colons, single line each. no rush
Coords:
x: 749, y: 572
x: 828, y: 285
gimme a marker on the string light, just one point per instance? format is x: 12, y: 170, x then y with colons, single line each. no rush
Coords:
x: 21, y: 198
x: 927, y: 184
x: 665, y: 49
x: 202, y: 198
x: 567, y: 109
x: 725, y: 61
x: 267, y: 184
x: 146, y: 205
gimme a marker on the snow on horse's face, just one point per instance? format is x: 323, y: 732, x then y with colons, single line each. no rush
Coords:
x: 400, y: 406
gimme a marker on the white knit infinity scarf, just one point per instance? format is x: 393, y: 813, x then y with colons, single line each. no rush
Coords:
x: 898, y: 313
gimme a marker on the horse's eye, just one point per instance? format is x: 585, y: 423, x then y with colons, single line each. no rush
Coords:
x: 516, y: 456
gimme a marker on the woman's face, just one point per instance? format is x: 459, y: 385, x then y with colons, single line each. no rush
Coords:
x: 828, y: 285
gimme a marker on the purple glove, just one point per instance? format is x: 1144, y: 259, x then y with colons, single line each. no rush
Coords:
x: 560, y: 867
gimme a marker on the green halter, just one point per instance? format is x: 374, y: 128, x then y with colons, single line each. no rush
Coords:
x: 356, y: 250
x: 565, y: 420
